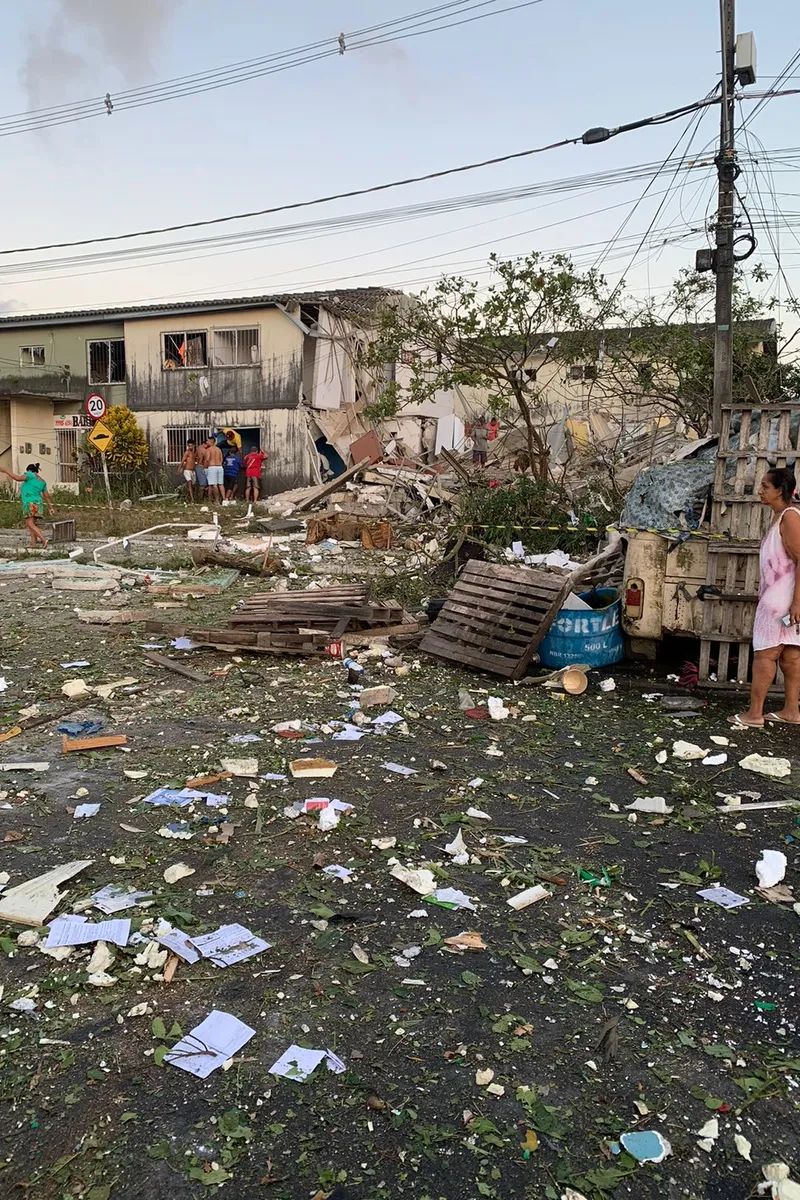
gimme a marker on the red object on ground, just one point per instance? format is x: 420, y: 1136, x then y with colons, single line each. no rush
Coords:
x: 477, y: 714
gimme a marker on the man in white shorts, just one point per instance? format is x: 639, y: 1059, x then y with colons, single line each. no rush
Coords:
x: 216, y: 486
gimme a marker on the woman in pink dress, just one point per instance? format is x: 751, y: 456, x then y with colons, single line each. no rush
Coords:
x: 776, y: 631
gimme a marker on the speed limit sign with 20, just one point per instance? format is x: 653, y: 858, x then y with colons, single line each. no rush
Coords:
x: 95, y: 406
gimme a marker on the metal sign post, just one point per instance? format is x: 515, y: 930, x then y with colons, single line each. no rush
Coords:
x: 101, y: 439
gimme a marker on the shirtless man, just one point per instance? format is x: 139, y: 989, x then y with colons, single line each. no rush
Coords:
x: 216, y: 487
x: 188, y: 463
x: 201, y: 460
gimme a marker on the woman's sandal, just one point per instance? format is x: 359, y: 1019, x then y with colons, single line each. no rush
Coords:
x: 773, y: 716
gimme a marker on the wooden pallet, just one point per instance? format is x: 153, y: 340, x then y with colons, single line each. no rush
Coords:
x: 753, y: 438
x: 332, y: 609
x: 307, y: 643
x: 495, y: 617
x: 320, y: 618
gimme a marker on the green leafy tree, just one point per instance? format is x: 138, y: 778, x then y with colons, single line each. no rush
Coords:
x: 127, y: 457
x: 130, y: 450
x: 461, y: 335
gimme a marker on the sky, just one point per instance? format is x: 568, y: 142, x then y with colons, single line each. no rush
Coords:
x: 488, y: 87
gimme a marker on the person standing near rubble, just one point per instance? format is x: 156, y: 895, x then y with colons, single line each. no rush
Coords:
x: 253, y: 465
x: 776, y: 630
x: 429, y: 440
x: 188, y: 465
x: 231, y: 470
x: 214, y: 474
x: 200, y: 462
x: 480, y: 441
x: 33, y: 495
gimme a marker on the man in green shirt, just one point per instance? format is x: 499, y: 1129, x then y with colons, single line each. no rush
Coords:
x: 34, y: 496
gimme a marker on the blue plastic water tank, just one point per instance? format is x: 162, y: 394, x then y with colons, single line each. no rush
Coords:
x: 583, y: 636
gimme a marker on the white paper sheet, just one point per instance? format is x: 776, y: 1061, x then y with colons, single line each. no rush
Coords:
x: 77, y: 931
x: 349, y: 733
x: 210, y: 1044
x: 174, y: 797
x: 223, y: 947
x: 179, y: 943
x: 724, y: 897
x: 112, y: 898
x: 85, y: 810
x: 216, y: 801
x: 299, y: 1064
x: 184, y: 643
x: 229, y: 944
x: 338, y: 871
x: 398, y: 769
x: 388, y: 718
x: 451, y: 895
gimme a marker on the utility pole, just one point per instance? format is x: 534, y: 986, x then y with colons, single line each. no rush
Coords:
x: 726, y: 176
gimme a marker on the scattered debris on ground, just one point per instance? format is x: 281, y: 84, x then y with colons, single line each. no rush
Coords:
x: 537, y: 938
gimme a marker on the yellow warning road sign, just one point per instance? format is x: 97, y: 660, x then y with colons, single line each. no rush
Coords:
x: 101, y: 437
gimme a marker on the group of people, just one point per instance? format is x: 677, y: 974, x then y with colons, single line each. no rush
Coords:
x: 218, y: 464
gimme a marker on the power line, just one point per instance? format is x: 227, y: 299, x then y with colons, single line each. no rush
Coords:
x: 590, y: 137
x: 244, y: 63
x: 321, y: 226
x: 387, y: 216
x: 666, y: 235
x: 271, y: 64
x: 765, y: 97
x: 773, y: 236
x: 689, y: 132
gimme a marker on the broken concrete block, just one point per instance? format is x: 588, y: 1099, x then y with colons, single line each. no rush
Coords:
x: 377, y: 697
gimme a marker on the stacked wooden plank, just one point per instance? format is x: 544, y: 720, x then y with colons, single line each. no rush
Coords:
x: 495, y: 617
x: 753, y: 438
x: 302, y: 623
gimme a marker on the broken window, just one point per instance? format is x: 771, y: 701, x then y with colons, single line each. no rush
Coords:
x: 185, y: 350
x: 582, y: 372
x: 236, y: 348
x: 31, y: 356
x: 107, y: 361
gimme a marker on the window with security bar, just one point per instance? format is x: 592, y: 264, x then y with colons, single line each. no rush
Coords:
x: 185, y: 351
x: 235, y: 348
x: 177, y: 438
x: 31, y: 356
x: 67, y: 447
x: 107, y: 360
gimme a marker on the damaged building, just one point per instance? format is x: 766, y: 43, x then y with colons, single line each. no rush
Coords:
x: 283, y: 371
